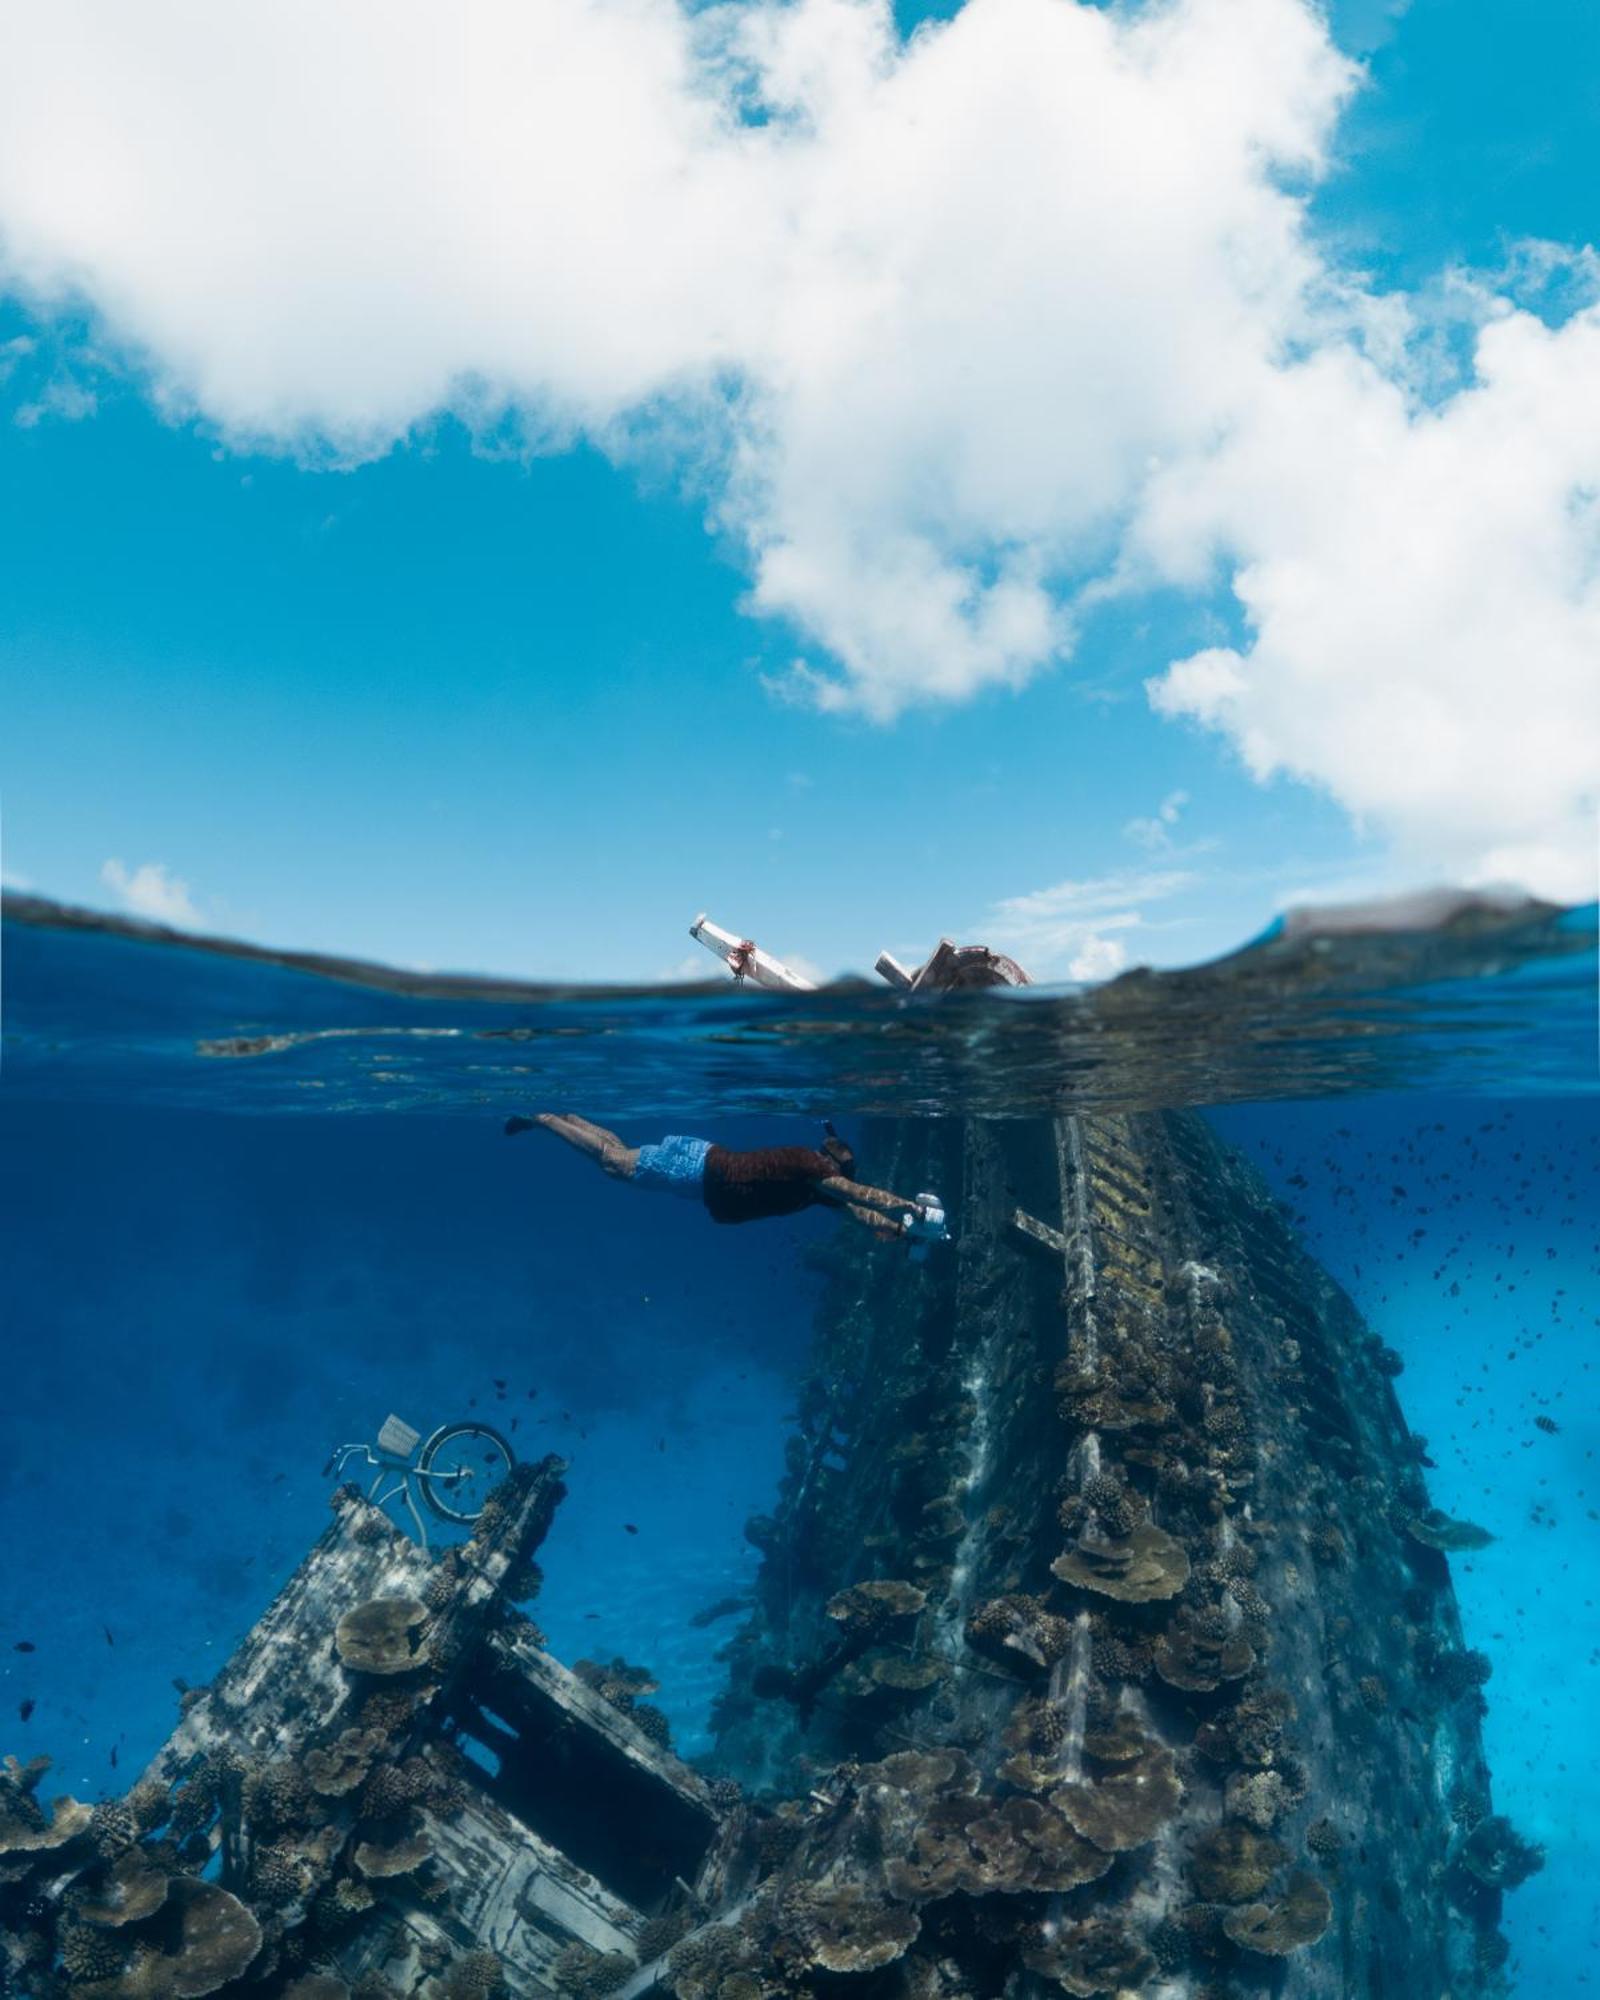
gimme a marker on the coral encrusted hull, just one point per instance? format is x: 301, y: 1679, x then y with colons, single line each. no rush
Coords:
x: 1186, y: 1708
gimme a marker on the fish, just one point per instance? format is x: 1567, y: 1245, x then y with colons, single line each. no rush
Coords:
x: 113, y: 1756
x: 110, y: 1641
x: 26, y: 1707
x: 629, y: 1529
x: 25, y: 1646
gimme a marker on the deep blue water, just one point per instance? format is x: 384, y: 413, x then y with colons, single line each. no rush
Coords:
x: 218, y: 1265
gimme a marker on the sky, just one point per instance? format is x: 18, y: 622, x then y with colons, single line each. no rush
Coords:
x: 478, y: 489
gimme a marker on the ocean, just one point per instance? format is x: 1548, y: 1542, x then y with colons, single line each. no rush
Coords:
x: 253, y: 1207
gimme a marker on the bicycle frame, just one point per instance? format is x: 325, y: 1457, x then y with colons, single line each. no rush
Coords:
x: 400, y: 1470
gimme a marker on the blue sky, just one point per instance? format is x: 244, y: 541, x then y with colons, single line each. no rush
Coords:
x: 449, y: 701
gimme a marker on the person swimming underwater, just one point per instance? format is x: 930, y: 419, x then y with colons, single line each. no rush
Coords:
x: 752, y: 1185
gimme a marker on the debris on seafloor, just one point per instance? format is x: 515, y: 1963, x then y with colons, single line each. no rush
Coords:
x: 1093, y: 1652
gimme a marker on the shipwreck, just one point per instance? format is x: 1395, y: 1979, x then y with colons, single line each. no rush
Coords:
x: 1104, y: 1644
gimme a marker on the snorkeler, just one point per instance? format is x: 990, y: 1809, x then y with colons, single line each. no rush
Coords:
x: 750, y: 1186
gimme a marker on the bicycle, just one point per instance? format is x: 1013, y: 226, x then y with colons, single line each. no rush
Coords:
x: 454, y: 1471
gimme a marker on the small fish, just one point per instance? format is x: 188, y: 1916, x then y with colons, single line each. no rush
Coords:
x: 1547, y: 1424
x: 113, y: 1756
x: 25, y: 1646
x: 110, y: 1641
x: 499, y: 1381
x: 25, y: 1708
x: 629, y: 1529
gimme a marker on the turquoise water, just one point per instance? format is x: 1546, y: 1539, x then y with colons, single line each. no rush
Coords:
x: 252, y: 1209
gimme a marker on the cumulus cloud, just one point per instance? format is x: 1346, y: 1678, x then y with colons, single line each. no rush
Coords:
x: 152, y: 890
x: 1078, y: 929
x: 949, y: 331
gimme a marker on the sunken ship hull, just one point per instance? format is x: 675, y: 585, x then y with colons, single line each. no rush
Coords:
x: 1094, y: 1651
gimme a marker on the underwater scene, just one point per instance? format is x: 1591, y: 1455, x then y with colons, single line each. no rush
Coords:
x: 1135, y: 1535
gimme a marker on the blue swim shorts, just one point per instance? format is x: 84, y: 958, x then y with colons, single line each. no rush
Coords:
x: 676, y: 1166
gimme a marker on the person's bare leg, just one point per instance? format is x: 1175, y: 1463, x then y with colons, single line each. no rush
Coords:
x: 606, y: 1150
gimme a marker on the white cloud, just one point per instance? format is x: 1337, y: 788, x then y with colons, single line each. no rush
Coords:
x: 947, y: 331
x: 1077, y: 929
x: 1155, y: 833
x: 152, y: 890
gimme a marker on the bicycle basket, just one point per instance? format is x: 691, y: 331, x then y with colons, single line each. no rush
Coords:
x: 398, y: 1436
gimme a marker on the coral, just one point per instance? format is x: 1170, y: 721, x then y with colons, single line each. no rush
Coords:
x: 1438, y: 1531
x: 1115, y: 1738
x: 317, y: 1986
x: 276, y: 1796
x: 582, y: 1973
x: 870, y: 1609
x: 1374, y: 1692
x: 618, y: 1683
x: 1298, y: 1917
x: 150, y: 1802
x: 390, y: 1709
x: 922, y: 1771
x: 338, y: 1767
x: 1034, y: 1736
x: 214, y: 1939
x: 698, y: 1966
x: 1327, y: 1545
x: 652, y: 1721
x: 1121, y: 1656
x: 1090, y: 1958
x: 658, y: 1935
x: 897, y: 1674
x: 134, y: 1887
x: 378, y: 1861
x: 1194, y: 1655
x: 1232, y: 1863
x: 1251, y: 1731
x: 1495, y: 1854
x: 843, y: 1929
x: 724, y: 1793
x: 1126, y: 1807
x: 277, y: 1876
x: 1134, y: 1569
x: 1453, y: 1673
x: 971, y: 1845
x: 442, y: 1585
x: 390, y: 1788
x: 382, y: 1636
x: 87, y: 1953
x: 24, y: 1828
x: 478, y: 1975
x: 1261, y: 1798
x: 1017, y: 1628
x: 113, y: 1828
x: 1322, y: 1838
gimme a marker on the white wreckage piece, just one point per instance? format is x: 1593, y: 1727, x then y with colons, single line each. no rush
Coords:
x: 949, y: 967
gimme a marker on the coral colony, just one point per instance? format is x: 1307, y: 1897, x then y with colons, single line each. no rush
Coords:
x: 1104, y: 1643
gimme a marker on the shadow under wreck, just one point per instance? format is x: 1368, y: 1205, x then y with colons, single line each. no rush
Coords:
x: 1104, y: 1644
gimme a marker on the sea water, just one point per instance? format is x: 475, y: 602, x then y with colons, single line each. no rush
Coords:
x: 250, y: 1209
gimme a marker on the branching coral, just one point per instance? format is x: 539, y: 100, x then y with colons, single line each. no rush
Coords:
x: 1198, y: 1652
x: 1017, y: 1629
x: 1495, y: 1854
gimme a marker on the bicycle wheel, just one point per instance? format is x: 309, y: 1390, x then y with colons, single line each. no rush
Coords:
x: 459, y: 1465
